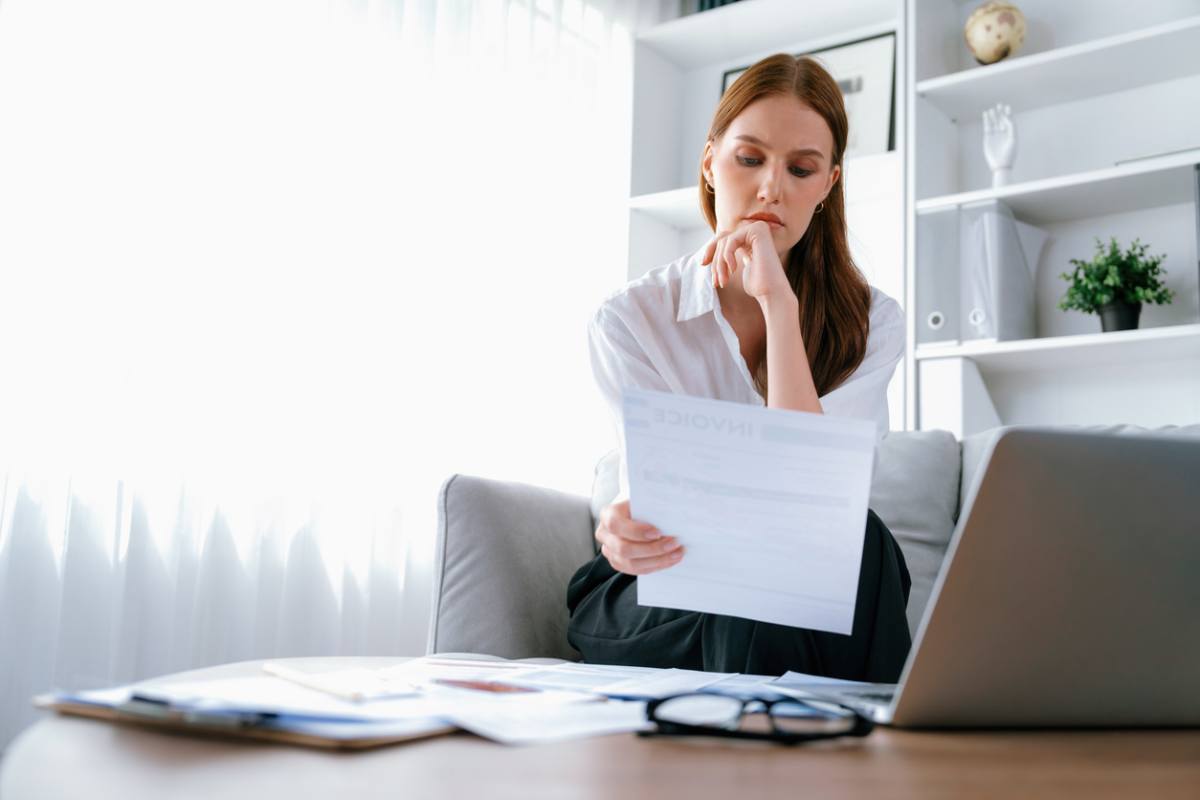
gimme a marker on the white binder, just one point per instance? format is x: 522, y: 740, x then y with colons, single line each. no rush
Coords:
x: 999, y: 257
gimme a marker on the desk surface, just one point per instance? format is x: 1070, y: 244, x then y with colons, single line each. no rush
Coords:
x: 72, y: 757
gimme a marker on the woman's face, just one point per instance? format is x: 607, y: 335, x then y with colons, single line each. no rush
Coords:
x: 774, y: 158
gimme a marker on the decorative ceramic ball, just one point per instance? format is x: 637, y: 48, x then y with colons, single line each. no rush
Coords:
x: 994, y: 31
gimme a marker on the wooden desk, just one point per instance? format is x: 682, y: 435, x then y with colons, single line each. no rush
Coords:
x: 70, y: 757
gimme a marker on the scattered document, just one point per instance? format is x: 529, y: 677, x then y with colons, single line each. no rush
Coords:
x: 642, y: 683
x: 124, y: 704
x: 747, y: 687
x: 360, y: 685
x: 514, y: 726
x: 770, y: 506
x: 804, y: 686
x: 802, y: 680
x: 266, y: 694
x: 666, y: 683
x: 574, y: 677
x: 513, y: 702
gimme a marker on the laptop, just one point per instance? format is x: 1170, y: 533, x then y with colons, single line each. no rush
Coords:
x: 1069, y: 595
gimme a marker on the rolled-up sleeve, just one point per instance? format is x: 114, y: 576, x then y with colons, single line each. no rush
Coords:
x: 864, y: 394
x: 619, y: 362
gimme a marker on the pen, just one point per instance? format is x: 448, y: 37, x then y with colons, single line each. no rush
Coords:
x: 161, y: 711
x: 483, y: 686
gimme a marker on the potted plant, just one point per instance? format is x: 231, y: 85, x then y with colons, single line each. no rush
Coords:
x: 1114, y: 285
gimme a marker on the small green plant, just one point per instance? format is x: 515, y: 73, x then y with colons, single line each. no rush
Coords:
x: 1114, y: 276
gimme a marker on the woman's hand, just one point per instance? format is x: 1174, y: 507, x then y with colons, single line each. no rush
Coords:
x: 632, y: 547
x: 750, y: 249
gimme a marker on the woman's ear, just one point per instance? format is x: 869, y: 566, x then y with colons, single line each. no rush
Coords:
x: 835, y: 174
x: 706, y: 161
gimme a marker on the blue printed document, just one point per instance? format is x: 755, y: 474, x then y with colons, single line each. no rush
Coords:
x: 769, y: 505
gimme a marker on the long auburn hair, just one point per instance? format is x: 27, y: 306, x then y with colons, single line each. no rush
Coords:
x: 835, y: 299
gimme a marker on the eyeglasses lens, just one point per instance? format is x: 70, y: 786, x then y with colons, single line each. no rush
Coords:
x: 701, y: 709
x: 811, y: 717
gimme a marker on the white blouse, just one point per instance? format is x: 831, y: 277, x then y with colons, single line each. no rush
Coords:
x: 665, y: 331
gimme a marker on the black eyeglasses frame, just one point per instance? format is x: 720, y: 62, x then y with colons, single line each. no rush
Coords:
x: 861, y: 725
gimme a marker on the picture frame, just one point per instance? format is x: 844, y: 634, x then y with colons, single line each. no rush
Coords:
x: 865, y: 70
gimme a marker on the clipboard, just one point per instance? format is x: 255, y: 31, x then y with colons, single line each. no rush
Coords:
x: 155, y: 715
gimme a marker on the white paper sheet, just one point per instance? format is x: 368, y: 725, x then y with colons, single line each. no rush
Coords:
x: 517, y: 726
x: 770, y: 506
x: 663, y: 684
x: 271, y: 695
x: 803, y: 680
x: 574, y: 677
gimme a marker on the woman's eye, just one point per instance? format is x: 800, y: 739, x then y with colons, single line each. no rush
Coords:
x: 799, y: 172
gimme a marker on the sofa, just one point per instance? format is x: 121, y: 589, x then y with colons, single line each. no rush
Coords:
x: 506, y: 551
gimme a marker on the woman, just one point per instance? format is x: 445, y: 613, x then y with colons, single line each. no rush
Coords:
x: 773, y: 294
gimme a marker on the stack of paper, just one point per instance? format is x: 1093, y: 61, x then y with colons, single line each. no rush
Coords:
x: 506, y: 701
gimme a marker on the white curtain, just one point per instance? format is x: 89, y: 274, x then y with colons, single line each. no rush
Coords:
x: 270, y: 271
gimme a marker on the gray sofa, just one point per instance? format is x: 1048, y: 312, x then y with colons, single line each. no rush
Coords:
x: 506, y: 551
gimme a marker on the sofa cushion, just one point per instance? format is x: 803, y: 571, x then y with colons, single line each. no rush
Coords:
x: 914, y: 492
x: 504, y: 556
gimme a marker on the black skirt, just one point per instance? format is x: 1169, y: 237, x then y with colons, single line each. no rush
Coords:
x: 608, y: 626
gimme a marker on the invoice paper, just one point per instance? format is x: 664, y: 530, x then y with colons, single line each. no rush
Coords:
x: 769, y: 505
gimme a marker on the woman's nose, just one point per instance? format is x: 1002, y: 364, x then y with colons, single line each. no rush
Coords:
x: 768, y: 189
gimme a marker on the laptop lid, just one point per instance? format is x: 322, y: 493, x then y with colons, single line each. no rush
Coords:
x: 1070, y: 594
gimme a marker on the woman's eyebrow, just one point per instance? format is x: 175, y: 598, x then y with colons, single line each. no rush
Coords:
x: 806, y: 151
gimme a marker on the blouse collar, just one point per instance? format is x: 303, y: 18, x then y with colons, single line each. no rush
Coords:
x: 696, y: 293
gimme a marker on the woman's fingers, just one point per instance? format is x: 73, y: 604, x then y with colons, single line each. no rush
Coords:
x: 644, y: 566
x: 629, y: 551
x: 639, y: 566
x: 710, y: 258
x: 731, y: 259
x: 738, y: 249
x: 632, y: 539
x: 616, y: 518
x: 742, y: 258
x: 632, y: 546
x: 724, y: 255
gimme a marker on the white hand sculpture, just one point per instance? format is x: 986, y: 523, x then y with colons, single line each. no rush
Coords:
x: 999, y: 142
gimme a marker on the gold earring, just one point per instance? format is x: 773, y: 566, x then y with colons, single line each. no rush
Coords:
x: 820, y: 207
x: 708, y: 188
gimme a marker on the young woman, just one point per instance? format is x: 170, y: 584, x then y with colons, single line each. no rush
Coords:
x: 773, y: 295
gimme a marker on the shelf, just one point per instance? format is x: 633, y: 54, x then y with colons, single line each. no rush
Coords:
x: 1153, y: 182
x: 1168, y: 343
x: 1112, y: 64
x: 753, y: 26
x: 679, y: 208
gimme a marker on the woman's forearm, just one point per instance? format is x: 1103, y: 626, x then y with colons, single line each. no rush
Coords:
x: 789, y: 379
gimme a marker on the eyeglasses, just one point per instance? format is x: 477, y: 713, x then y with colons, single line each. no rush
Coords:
x: 792, y: 721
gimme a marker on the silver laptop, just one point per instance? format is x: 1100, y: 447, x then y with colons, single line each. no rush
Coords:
x: 1070, y: 592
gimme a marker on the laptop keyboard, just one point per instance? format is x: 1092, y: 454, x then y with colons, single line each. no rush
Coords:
x: 872, y: 697
x: 879, y: 697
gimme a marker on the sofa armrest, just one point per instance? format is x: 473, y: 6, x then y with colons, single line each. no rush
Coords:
x: 505, y: 553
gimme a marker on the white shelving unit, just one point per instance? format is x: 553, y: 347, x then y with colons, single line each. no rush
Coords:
x: 1164, y: 52
x: 1117, y: 348
x: 1108, y: 129
x: 678, y: 68
x: 1164, y: 181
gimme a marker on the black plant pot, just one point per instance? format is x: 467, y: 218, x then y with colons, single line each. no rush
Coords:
x: 1120, y: 316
